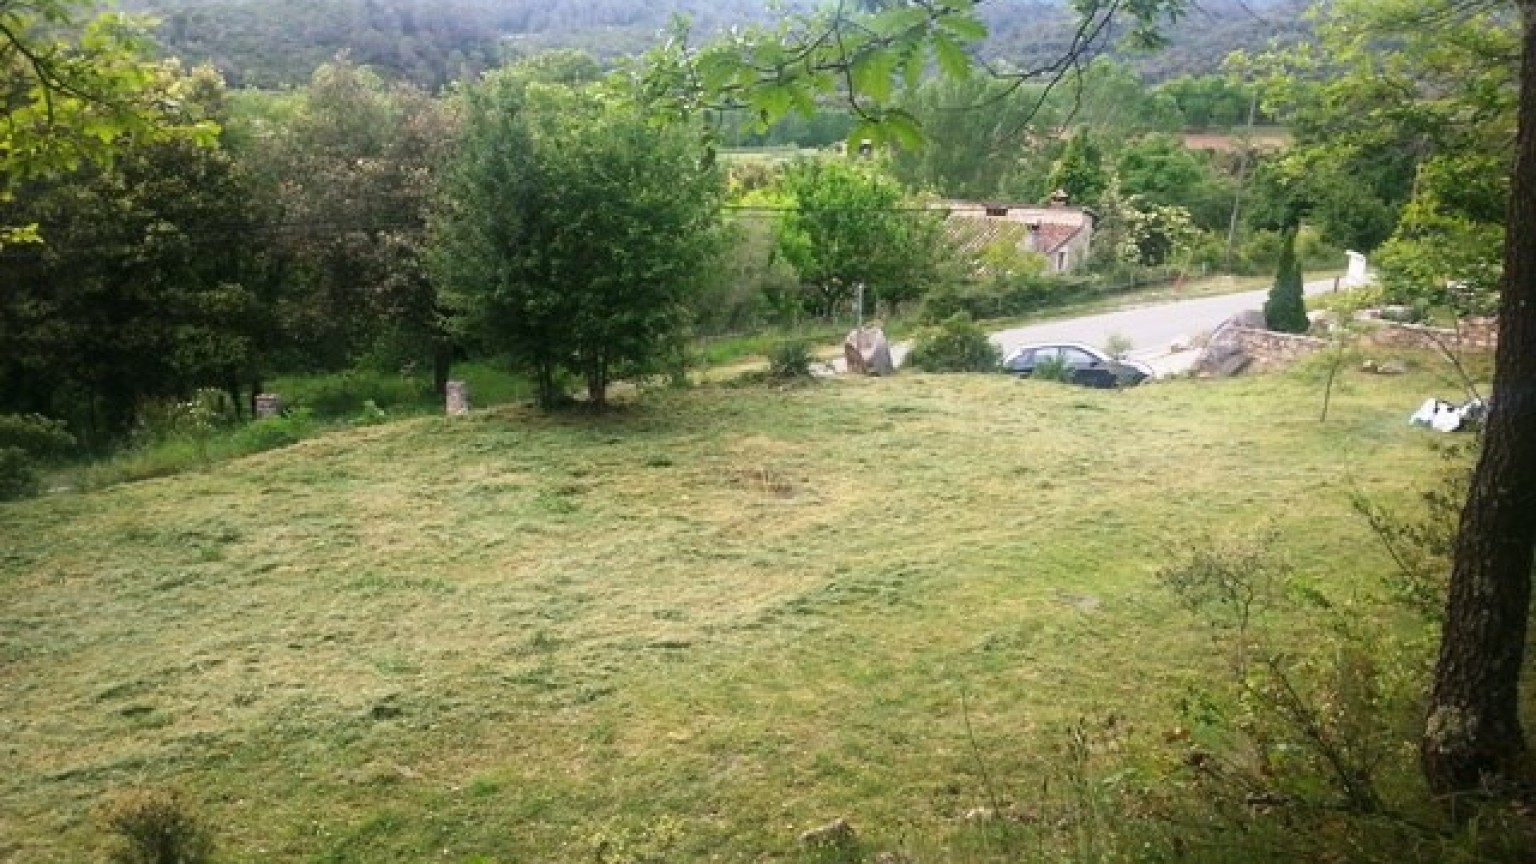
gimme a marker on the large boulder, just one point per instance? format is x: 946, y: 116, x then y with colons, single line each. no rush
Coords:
x: 867, y: 352
x: 1223, y: 355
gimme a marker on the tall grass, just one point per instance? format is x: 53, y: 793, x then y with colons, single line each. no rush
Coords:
x: 313, y: 405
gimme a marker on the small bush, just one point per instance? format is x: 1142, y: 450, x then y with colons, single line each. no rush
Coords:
x: 998, y: 298
x: 271, y: 433
x: 155, y: 828
x: 1118, y: 345
x: 40, y: 437
x: 1052, y: 369
x: 18, y: 474
x: 196, y: 418
x: 790, y: 359
x: 27, y: 441
x: 957, y: 345
x: 371, y: 415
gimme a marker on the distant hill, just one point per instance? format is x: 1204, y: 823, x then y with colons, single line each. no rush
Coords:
x: 275, y: 43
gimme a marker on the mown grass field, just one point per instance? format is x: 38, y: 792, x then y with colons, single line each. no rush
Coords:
x: 691, y: 629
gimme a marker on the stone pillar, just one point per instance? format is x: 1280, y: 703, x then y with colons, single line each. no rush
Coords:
x: 458, y: 398
x: 268, y: 405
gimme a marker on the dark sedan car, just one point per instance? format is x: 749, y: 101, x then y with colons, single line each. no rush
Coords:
x: 1078, y: 363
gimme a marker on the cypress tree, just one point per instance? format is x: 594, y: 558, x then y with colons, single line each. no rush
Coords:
x: 1285, y: 310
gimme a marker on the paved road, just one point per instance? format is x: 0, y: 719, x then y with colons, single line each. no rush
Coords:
x: 1152, y: 330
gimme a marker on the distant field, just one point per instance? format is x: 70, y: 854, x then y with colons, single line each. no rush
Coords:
x: 1260, y: 138
x: 690, y: 630
x: 765, y: 154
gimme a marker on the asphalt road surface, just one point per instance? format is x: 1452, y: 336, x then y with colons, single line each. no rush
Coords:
x: 1152, y: 330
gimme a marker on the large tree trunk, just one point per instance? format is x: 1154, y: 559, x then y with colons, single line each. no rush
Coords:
x: 1473, y: 737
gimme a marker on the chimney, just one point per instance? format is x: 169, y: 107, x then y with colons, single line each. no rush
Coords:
x: 1060, y: 198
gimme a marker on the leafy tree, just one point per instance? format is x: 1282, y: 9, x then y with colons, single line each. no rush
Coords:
x: 852, y: 225
x: 1111, y: 98
x: 71, y: 92
x: 350, y: 165
x: 574, y: 230
x: 1286, y: 310
x: 979, y: 137
x: 1080, y: 170
x: 1133, y: 232
x: 1161, y: 170
x: 146, y: 286
x: 1391, y: 88
x: 862, y: 55
x: 1210, y: 101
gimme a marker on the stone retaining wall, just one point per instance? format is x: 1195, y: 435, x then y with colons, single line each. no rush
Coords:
x: 1474, y: 334
x: 1269, y: 349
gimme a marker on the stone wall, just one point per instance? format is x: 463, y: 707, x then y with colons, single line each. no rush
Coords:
x: 1474, y: 334
x: 1234, y: 349
x: 1269, y: 349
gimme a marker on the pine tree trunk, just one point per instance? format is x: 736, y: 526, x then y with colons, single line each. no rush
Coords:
x: 1473, y: 739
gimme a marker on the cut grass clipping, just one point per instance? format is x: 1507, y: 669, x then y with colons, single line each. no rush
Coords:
x: 698, y: 627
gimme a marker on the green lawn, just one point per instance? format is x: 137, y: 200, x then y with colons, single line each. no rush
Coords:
x: 691, y: 630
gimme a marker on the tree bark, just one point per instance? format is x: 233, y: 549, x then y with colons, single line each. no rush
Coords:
x: 1473, y: 740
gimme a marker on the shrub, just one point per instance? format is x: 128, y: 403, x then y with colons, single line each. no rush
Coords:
x: 1285, y: 310
x: 156, y: 828
x: 371, y: 415
x: 26, y: 442
x: 40, y: 437
x: 1307, y: 727
x: 271, y: 433
x: 957, y: 345
x: 18, y: 474
x: 997, y: 298
x: 790, y: 359
x: 1118, y: 345
x: 1052, y: 369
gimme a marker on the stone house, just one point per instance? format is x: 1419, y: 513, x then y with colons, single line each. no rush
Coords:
x: 1059, y: 232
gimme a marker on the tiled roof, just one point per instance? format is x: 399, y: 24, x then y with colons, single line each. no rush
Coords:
x: 1042, y: 229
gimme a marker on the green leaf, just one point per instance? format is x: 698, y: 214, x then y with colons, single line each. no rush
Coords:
x: 773, y: 101
x: 951, y: 57
x: 966, y: 27
x: 904, y: 129
x: 898, y: 19
x: 872, y: 72
x: 717, y: 70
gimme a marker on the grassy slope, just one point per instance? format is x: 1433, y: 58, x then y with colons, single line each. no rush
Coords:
x: 732, y: 613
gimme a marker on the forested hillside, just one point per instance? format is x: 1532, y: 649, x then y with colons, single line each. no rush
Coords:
x: 268, y: 43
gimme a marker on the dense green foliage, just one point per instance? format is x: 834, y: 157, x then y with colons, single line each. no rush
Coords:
x: 1079, y: 173
x: 1286, y: 310
x: 72, y: 86
x: 1402, y: 134
x: 145, y: 289
x: 300, y: 243
x: 28, y: 441
x: 574, y: 232
x: 957, y: 344
x: 348, y: 168
x: 851, y: 226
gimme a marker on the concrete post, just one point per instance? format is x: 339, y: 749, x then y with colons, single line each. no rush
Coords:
x: 458, y: 398
x: 268, y: 405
